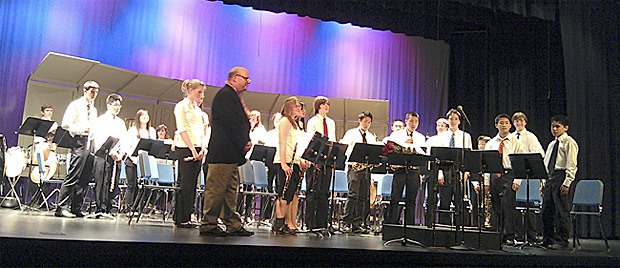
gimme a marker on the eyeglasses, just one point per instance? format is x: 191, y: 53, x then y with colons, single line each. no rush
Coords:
x: 247, y: 78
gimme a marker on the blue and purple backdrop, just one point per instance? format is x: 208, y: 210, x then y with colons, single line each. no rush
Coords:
x: 198, y: 39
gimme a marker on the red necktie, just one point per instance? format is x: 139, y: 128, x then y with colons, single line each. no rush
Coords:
x: 501, y: 148
x: 325, y: 132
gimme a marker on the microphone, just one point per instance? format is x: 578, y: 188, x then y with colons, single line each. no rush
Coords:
x: 460, y: 109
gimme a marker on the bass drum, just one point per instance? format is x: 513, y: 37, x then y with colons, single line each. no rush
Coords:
x: 15, y: 162
x: 50, y: 167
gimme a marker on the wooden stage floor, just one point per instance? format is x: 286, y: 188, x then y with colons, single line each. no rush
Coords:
x: 40, y: 239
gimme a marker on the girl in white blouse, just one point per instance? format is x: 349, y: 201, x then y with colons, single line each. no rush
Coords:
x: 141, y: 130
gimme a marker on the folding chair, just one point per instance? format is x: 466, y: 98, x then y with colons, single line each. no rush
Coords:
x: 258, y: 188
x: 588, y: 194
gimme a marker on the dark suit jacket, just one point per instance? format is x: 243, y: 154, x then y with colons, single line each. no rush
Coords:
x: 230, y: 128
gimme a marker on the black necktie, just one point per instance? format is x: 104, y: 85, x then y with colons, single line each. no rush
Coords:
x: 364, y: 137
x: 518, y: 134
x: 554, y: 157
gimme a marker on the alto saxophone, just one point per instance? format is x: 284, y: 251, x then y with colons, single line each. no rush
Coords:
x: 355, y: 166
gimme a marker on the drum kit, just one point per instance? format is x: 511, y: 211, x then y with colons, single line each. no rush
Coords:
x: 17, y: 159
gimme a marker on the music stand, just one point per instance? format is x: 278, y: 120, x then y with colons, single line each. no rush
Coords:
x: 363, y: 153
x: 336, y: 156
x: 64, y: 139
x: 453, y: 157
x: 104, y: 152
x: 528, y: 166
x: 162, y: 151
x: 407, y: 160
x: 152, y: 147
x: 33, y: 126
x: 317, y: 149
x: 481, y: 162
x: 263, y: 153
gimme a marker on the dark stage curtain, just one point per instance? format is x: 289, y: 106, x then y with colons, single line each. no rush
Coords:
x: 591, y: 38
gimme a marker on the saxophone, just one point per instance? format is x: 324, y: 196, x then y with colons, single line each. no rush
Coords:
x: 355, y: 166
x: 397, y: 148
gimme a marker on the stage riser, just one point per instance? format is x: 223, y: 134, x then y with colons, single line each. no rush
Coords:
x: 444, y: 237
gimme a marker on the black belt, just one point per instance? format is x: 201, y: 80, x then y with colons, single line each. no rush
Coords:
x: 81, y: 136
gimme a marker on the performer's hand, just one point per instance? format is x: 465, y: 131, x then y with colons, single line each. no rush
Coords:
x: 563, y: 190
x: 248, y: 146
x: 303, y: 165
x: 515, y: 187
x: 287, y: 170
x: 441, y: 180
x: 409, y: 140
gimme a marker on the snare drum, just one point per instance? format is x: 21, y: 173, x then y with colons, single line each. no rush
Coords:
x: 15, y: 161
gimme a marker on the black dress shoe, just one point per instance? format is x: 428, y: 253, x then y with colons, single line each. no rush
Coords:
x: 185, y: 225
x: 217, y: 231
x: 78, y: 214
x: 559, y: 246
x: 64, y: 213
x: 241, y: 232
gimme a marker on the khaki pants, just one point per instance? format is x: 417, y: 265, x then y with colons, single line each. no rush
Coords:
x: 221, y: 196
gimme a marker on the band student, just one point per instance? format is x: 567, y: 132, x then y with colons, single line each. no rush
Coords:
x: 188, y: 142
x: 230, y: 141
x: 503, y: 186
x: 448, y: 184
x: 357, y: 207
x: 142, y: 130
x: 286, y: 162
x: 318, y: 178
x: 108, y: 168
x: 561, y: 163
x: 77, y: 120
x: 414, y: 141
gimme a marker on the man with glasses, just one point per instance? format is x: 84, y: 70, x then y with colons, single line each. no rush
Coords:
x: 230, y: 140
x: 108, y: 167
x: 78, y: 120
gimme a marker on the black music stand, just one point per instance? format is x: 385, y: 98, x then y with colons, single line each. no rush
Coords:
x: 528, y: 166
x: 151, y: 147
x: 453, y: 158
x: 334, y: 156
x: 104, y: 152
x: 367, y: 154
x: 317, y: 152
x: 63, y: 139
x: 33, y: 126
x: 407, y: 160
x: 263, y: 153
x: 162, y: 151
x: 481, y: 162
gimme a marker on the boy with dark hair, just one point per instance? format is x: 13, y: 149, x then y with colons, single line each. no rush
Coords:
x: 503, y: 185
x: 561, y: 163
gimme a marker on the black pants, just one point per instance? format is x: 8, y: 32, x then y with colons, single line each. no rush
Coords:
x: 72, y: 189
x: 105, y: 184
x: 401, y: 178
x: 555, y: 210
x: 188, y: 177
x: 132, y: 183
x: 317, y: 188
x: 447, y: 193
x: 503, y: 203
x: 357, y: 207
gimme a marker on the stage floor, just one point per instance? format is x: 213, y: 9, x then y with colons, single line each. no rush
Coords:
x: 40, y: 239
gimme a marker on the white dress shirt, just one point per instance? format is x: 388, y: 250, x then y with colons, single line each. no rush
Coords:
x: 78, y: 116
x: 530, y: 142
x: 315, y: 124
x: 134, y: 136
x: 353, y: 136
x: 567, y: 157
x: 401, y: 136
x: 189, y: 118
x: 511, y: 146
x: 458, y: 139
x: 108, y: 125
x: 290, y: 145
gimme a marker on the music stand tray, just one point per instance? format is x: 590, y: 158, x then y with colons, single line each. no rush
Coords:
x: 448, y: 155
x: 336, y: 156
x: 317, y: 149
x: 162, y: 151
x: 35, y: 127
x: 366, y: 153
x: 144, y: 145
x: 106, y: 147
x: 480, y: 161
x: 528, y: 166
x: 263, y: 153
x: 64, y: 139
